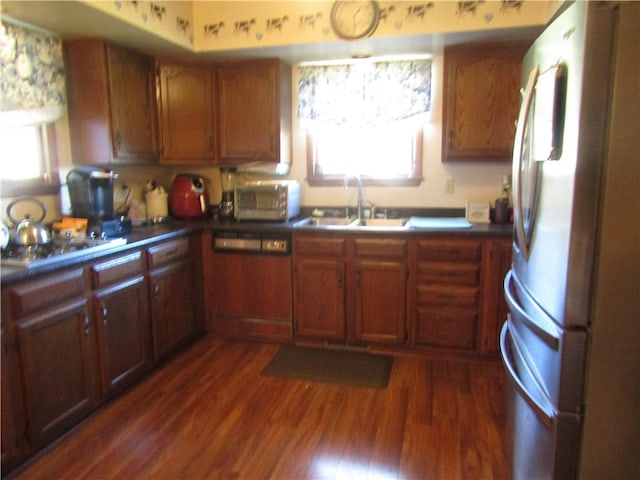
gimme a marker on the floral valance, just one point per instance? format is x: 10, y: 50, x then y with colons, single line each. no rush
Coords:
x: 364, y: 93
x: 31, y: 70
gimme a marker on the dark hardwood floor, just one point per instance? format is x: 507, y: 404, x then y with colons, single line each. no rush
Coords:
x: 210, y: 414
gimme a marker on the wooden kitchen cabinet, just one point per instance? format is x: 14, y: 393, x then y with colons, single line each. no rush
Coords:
x: 254, y: 111
x: 447, y: 293
x: 350, y: 289
x: 481, y: 102
x: 56, y: 340
x: 319, y: 299
x: 186, y: 113
x: 495, y: 310
x: 380, y: 290
x: 121, y: 315
x: 111, y: 102
x: 172, y: 284
x: 12, y: 425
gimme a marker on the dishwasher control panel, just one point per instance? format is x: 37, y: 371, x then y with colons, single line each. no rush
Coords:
x: 251, y: 242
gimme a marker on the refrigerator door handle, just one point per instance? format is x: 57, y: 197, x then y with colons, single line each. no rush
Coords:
x: 545, y: 413
x: 543, y: 326
x: 518, y: 147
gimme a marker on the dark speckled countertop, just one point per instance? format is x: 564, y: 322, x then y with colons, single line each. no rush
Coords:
x: 147, y: 235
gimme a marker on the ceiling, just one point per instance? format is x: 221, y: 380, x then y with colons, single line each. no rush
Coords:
x: 75, y: 19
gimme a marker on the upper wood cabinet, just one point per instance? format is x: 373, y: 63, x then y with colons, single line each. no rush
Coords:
x: 186, y: 113
x: 254, y: 111
x: 111, y: 102
x: 481, y: 102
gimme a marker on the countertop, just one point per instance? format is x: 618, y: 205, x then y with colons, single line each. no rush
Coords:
x: 146, y: 235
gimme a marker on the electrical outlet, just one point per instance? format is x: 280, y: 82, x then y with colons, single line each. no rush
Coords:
x: 448, y: 185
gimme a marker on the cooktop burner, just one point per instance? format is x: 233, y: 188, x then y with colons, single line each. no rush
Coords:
x: 57, y: 250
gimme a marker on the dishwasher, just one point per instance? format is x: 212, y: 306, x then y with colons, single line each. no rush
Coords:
x: 252, y: 285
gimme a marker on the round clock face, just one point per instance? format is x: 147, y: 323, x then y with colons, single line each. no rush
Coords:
x: 354, y: 19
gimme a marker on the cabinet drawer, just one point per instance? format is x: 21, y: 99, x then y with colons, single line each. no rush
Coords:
x: 459, y: 274
x: 449, y: 251
x: 446, y: 328
x: 453, y: 296
x: 380, y: 247
x: 53, y: 289
x: 168, y: 252
x: 323, y: 247
x: 118, y: 268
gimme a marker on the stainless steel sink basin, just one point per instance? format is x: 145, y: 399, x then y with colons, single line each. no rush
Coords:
x: 325, y: 222
x: 353, y: 223
x: 381, y: 222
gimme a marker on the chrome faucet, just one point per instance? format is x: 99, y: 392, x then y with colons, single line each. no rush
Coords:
x: 358, y: 180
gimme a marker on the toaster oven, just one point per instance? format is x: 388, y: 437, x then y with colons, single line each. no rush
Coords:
x: 274, y: 201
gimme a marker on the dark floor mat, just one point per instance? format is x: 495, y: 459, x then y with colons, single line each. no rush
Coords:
x: 331, y: 366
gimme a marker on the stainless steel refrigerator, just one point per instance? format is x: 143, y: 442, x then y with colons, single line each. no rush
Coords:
x: 571, y: 342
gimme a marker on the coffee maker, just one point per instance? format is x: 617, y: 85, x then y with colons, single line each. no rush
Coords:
x: 91, y: 196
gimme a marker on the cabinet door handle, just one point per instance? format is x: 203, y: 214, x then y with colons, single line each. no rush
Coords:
x: 86, y: 325
x: 118, y: 139
x: 451, y: 138
x: 105, y: 312
x: 156, y: 289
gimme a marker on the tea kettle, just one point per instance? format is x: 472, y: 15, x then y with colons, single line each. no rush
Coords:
x: 28, y: 232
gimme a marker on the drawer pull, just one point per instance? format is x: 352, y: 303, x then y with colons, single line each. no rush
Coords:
x: 105, y: 312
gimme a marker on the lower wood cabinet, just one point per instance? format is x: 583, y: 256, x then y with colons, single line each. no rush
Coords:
x: 56, y: 347
x: 448, y: 292
x: 319, y: 288
x: 350, y: 289
x: 380, y: 290
x: 173, y: 284
x: 495, y: 308
x: 72, y: 339
x: 124, y: 335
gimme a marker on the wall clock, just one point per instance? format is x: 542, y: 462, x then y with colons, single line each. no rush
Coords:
x: 354, y: 19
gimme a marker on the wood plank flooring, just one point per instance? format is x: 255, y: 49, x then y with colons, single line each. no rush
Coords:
x: 209, y: 414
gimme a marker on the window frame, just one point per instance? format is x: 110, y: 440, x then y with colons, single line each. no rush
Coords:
x: 338, y: 180
x: 49, y: 182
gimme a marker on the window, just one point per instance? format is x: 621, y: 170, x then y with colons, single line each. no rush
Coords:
x: 365, y: 118
x: 32, y: 97
x: 28, y: 163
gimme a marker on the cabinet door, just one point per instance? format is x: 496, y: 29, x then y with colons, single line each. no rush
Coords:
x: 11, y: 399
x: 111, y: 103
x: 124, y: 331
x: 495, y: 305
x: 186, y: 113
x: 381, y: 292
x: 481, y: 90
x: 58, y: 357
x: 319, y: 300
x: 249, y: 112
x: 172, y: 307
x: 133, y: 107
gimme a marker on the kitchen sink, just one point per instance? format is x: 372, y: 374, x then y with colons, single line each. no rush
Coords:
x: 353, y: 223
x: 381, y: 222
x: 325, y: 222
